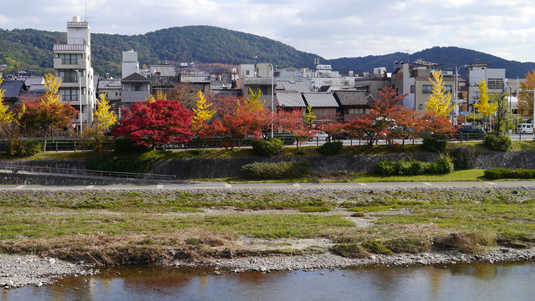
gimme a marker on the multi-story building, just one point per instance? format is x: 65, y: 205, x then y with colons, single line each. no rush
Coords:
x: 72, y: 64
x: 477, y: 72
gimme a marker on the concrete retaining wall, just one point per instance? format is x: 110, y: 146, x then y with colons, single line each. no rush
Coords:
x: 231, y: 167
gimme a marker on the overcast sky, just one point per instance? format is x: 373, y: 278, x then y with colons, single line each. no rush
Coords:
x: 329, y: 28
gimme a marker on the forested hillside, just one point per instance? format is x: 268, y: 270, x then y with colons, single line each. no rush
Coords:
x: 30, y: 49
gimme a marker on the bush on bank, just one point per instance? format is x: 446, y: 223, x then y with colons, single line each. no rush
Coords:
x: 268, y: 148
x: 278, y: 170
x: 412, y: 167
x: 502, y: 173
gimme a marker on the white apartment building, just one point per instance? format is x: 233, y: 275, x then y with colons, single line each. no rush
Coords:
x: 477, y: 72
x: 72, y: 64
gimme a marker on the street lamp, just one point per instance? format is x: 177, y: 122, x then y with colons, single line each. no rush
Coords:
x: 79, y: 98
x: 272, y: 103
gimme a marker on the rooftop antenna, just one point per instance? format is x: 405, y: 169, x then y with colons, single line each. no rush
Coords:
x: 86, y: 17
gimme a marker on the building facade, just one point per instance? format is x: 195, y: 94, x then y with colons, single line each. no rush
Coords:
x: 72, y: 64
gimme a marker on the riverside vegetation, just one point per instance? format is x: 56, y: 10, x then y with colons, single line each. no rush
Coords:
x: 134, y: 226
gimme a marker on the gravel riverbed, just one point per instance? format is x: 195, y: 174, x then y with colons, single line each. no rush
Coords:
x: 20, y: 270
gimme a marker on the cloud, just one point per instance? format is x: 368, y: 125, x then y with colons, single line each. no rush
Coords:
x: 332, y: 29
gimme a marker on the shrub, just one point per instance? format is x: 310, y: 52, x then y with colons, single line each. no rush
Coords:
x: 385, y: 168
x: 279, y: 170
x: 331, y: 148
x: 124, y: 145
x: 501, y: 144
x: 463, y: 157
x: 444, y: 165
x: 268, y: 148
x: 21, y: 148
x: 500, y: 173
x: 435, y: 145
x: 403, y: 167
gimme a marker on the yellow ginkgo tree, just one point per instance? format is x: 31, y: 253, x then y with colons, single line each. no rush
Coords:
x: 5, y: 115
x: 484, y: 106
x: 202, y: 112
x: 103, y: 118
x: 439, y: 102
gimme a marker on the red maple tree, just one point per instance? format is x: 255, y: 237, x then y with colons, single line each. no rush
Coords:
x: 236, y: 119
x: 381, y: 120
x: 153, y: 123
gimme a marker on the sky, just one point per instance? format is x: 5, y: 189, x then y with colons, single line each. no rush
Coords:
x: 329, y: 28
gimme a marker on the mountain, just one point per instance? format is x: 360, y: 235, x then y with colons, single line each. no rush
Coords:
x: 449, y: 57
x: 30, y: 49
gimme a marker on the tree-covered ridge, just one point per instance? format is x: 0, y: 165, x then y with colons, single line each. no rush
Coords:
x: 449, y: 57
x: 30, y: 49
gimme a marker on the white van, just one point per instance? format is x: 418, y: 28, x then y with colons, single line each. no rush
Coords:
x: 524, y: 128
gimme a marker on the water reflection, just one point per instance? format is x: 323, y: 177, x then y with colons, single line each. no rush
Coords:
x: 456, y: 282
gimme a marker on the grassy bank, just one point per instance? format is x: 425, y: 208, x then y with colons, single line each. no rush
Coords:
x: 111, y: 227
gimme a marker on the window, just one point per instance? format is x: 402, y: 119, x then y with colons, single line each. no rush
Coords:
x: 69, y: 76
x: 495, y: 83
x: 413, y: 89
x: 356, y: 111
x: 475, y: 95
x: 69, y: 59
x: 137, y: 87
x: 427, y: 89
x: 421, y: 107
x: 448, y: 89
x: 69, y: 94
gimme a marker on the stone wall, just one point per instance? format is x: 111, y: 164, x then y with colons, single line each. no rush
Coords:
x: 231, y: 167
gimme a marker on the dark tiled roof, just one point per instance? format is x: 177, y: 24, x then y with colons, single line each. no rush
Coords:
x: 321, y: 100
x: 163, y: 70
x: 290, y: 99
x: 164, y: 81
x: 354, y: 98
x: 135, y: 77
x: 12, y: 87
x: 69, y: 47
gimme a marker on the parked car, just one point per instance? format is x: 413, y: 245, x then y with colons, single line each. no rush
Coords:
x: 524, y: 128
x: 469, y: 129
x: 321, y: 136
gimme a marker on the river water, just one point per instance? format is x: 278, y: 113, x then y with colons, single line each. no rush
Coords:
x: 508, y: 281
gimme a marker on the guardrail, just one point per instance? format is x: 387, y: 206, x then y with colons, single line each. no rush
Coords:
x: 84, y: 172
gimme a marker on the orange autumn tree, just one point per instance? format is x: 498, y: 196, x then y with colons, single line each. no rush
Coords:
x: 47, y: 112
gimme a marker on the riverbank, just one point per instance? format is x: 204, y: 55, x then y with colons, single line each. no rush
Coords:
x: 268, y: 229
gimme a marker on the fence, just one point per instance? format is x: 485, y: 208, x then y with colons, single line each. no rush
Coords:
x: 15, y: 168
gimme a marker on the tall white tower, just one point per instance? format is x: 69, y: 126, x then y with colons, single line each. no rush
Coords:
x: 72, y: 64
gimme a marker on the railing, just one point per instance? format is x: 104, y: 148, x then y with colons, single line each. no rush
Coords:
x: 84, y: 172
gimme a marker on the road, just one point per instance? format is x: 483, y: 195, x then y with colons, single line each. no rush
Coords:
x: 223, y: 185
x: 315, y: 142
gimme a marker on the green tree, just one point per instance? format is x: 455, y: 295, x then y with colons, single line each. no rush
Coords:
x: 439, y: 102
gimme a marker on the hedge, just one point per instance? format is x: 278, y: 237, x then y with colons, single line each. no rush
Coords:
x: 278, y: 170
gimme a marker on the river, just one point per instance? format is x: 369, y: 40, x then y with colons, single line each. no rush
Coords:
x: 478, y: 281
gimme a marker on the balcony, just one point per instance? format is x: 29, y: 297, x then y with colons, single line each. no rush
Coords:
x: 70, y: 64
